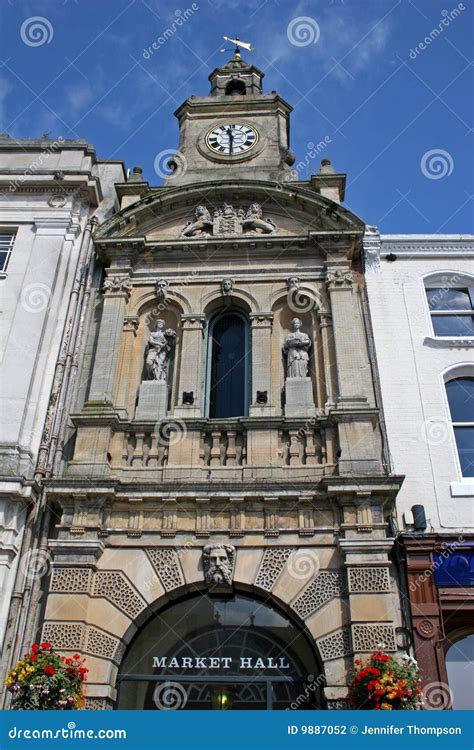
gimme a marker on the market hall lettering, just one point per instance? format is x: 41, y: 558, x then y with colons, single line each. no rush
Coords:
x: 219, y: 662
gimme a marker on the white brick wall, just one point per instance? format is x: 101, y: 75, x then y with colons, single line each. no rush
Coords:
x: 411, y: 368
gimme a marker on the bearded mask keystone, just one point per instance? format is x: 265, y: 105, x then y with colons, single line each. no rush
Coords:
x: 218, y: 564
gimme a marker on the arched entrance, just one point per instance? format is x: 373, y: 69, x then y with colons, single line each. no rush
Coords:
x: 228, y: 653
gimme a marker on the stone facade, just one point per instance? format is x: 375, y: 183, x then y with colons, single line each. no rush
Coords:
x: 50, y: 192
x: 293, y: 506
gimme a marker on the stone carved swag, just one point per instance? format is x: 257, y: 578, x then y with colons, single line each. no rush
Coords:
x: 228, y: 222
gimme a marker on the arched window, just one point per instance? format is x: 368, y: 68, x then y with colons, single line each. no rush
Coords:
x: 460, y: 392
x: 209, y: 653
x: 459, y: 665
x: 451, y: 304
x: 235, y: 87
x: 228, y: 368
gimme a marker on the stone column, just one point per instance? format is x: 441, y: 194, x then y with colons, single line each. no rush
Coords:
x: 374, y: 609
x: 261, y: 399
x: 353, y: 372
x: 190, y: 377
x: 117, y: 288
x: 329, y: 356
x: 130, y: 327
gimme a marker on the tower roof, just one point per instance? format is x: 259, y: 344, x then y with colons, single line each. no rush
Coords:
x: 236, y: 70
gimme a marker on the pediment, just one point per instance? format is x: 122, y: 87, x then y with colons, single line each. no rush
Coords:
x: 228, y: 211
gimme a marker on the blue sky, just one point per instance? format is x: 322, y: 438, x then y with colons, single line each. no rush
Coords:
x: 397, y: 118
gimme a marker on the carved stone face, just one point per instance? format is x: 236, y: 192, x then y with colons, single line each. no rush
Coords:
x: 218, y: 563
x: 296, y: 324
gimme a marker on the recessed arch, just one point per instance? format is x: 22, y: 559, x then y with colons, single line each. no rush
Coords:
x: 239, y: 297
x: 248, y: 636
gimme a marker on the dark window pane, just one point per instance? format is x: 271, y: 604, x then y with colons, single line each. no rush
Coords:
x: 453, y: 325
x: 461, y: 399
x: 448, y: 299
x: 460, y: 666
x: 228, y: 368
x: 3, y: 258
x: 465, y: 442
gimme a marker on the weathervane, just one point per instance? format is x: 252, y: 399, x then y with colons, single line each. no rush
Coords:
x: 238, y: 43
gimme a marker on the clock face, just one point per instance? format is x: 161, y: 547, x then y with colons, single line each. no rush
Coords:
x: 231, y: 138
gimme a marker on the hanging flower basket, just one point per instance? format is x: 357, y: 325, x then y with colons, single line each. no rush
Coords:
x: 44, y: 680
x: 382, y: 683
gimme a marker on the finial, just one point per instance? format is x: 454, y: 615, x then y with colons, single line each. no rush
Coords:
x: 136, y: 175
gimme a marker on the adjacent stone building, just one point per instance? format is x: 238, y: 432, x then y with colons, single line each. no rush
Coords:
x: 49, y: 193
x: 421, y: 299
x: 221, y: 526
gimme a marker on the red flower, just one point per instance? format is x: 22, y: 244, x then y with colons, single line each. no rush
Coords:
x: 357, y: 661
x: 34, y: 658
x: 45, y: 645
x: 76, y: 656
x: 34, y: 648
x: 49, y: 670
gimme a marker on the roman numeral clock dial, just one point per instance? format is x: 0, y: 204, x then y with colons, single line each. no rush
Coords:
x: 231, y: 139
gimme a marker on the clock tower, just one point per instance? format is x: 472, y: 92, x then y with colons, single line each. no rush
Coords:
x: 236, y: 131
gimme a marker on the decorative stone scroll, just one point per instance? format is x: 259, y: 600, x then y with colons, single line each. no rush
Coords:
x: 368, y: 637
x: 325, y: 587
x: 165, y: 562
x: 373, y: 579
x: 335, y: 645
x: 273, y: 563
x: 117, y: 284
x: 113, y: 586
x: 228, y: 221
x: 339, y: 278
x: 71, y: 581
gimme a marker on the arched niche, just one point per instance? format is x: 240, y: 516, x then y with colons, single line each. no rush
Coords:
x: 228, y: 358
x: 231, y: 652
x: 132, y: 366
x: 283, y: 314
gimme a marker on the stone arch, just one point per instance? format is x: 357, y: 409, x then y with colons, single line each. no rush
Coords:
x: 114, y: 601
x: 240, y: 297
x: 143, y: 300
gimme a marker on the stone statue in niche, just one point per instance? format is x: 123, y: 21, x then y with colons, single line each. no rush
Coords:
x: 218, y: 564
x: 201, y: 226
x: 299, y: 400
x: 158, y: 351
x: 254, y: 221
x: 296, y: 348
